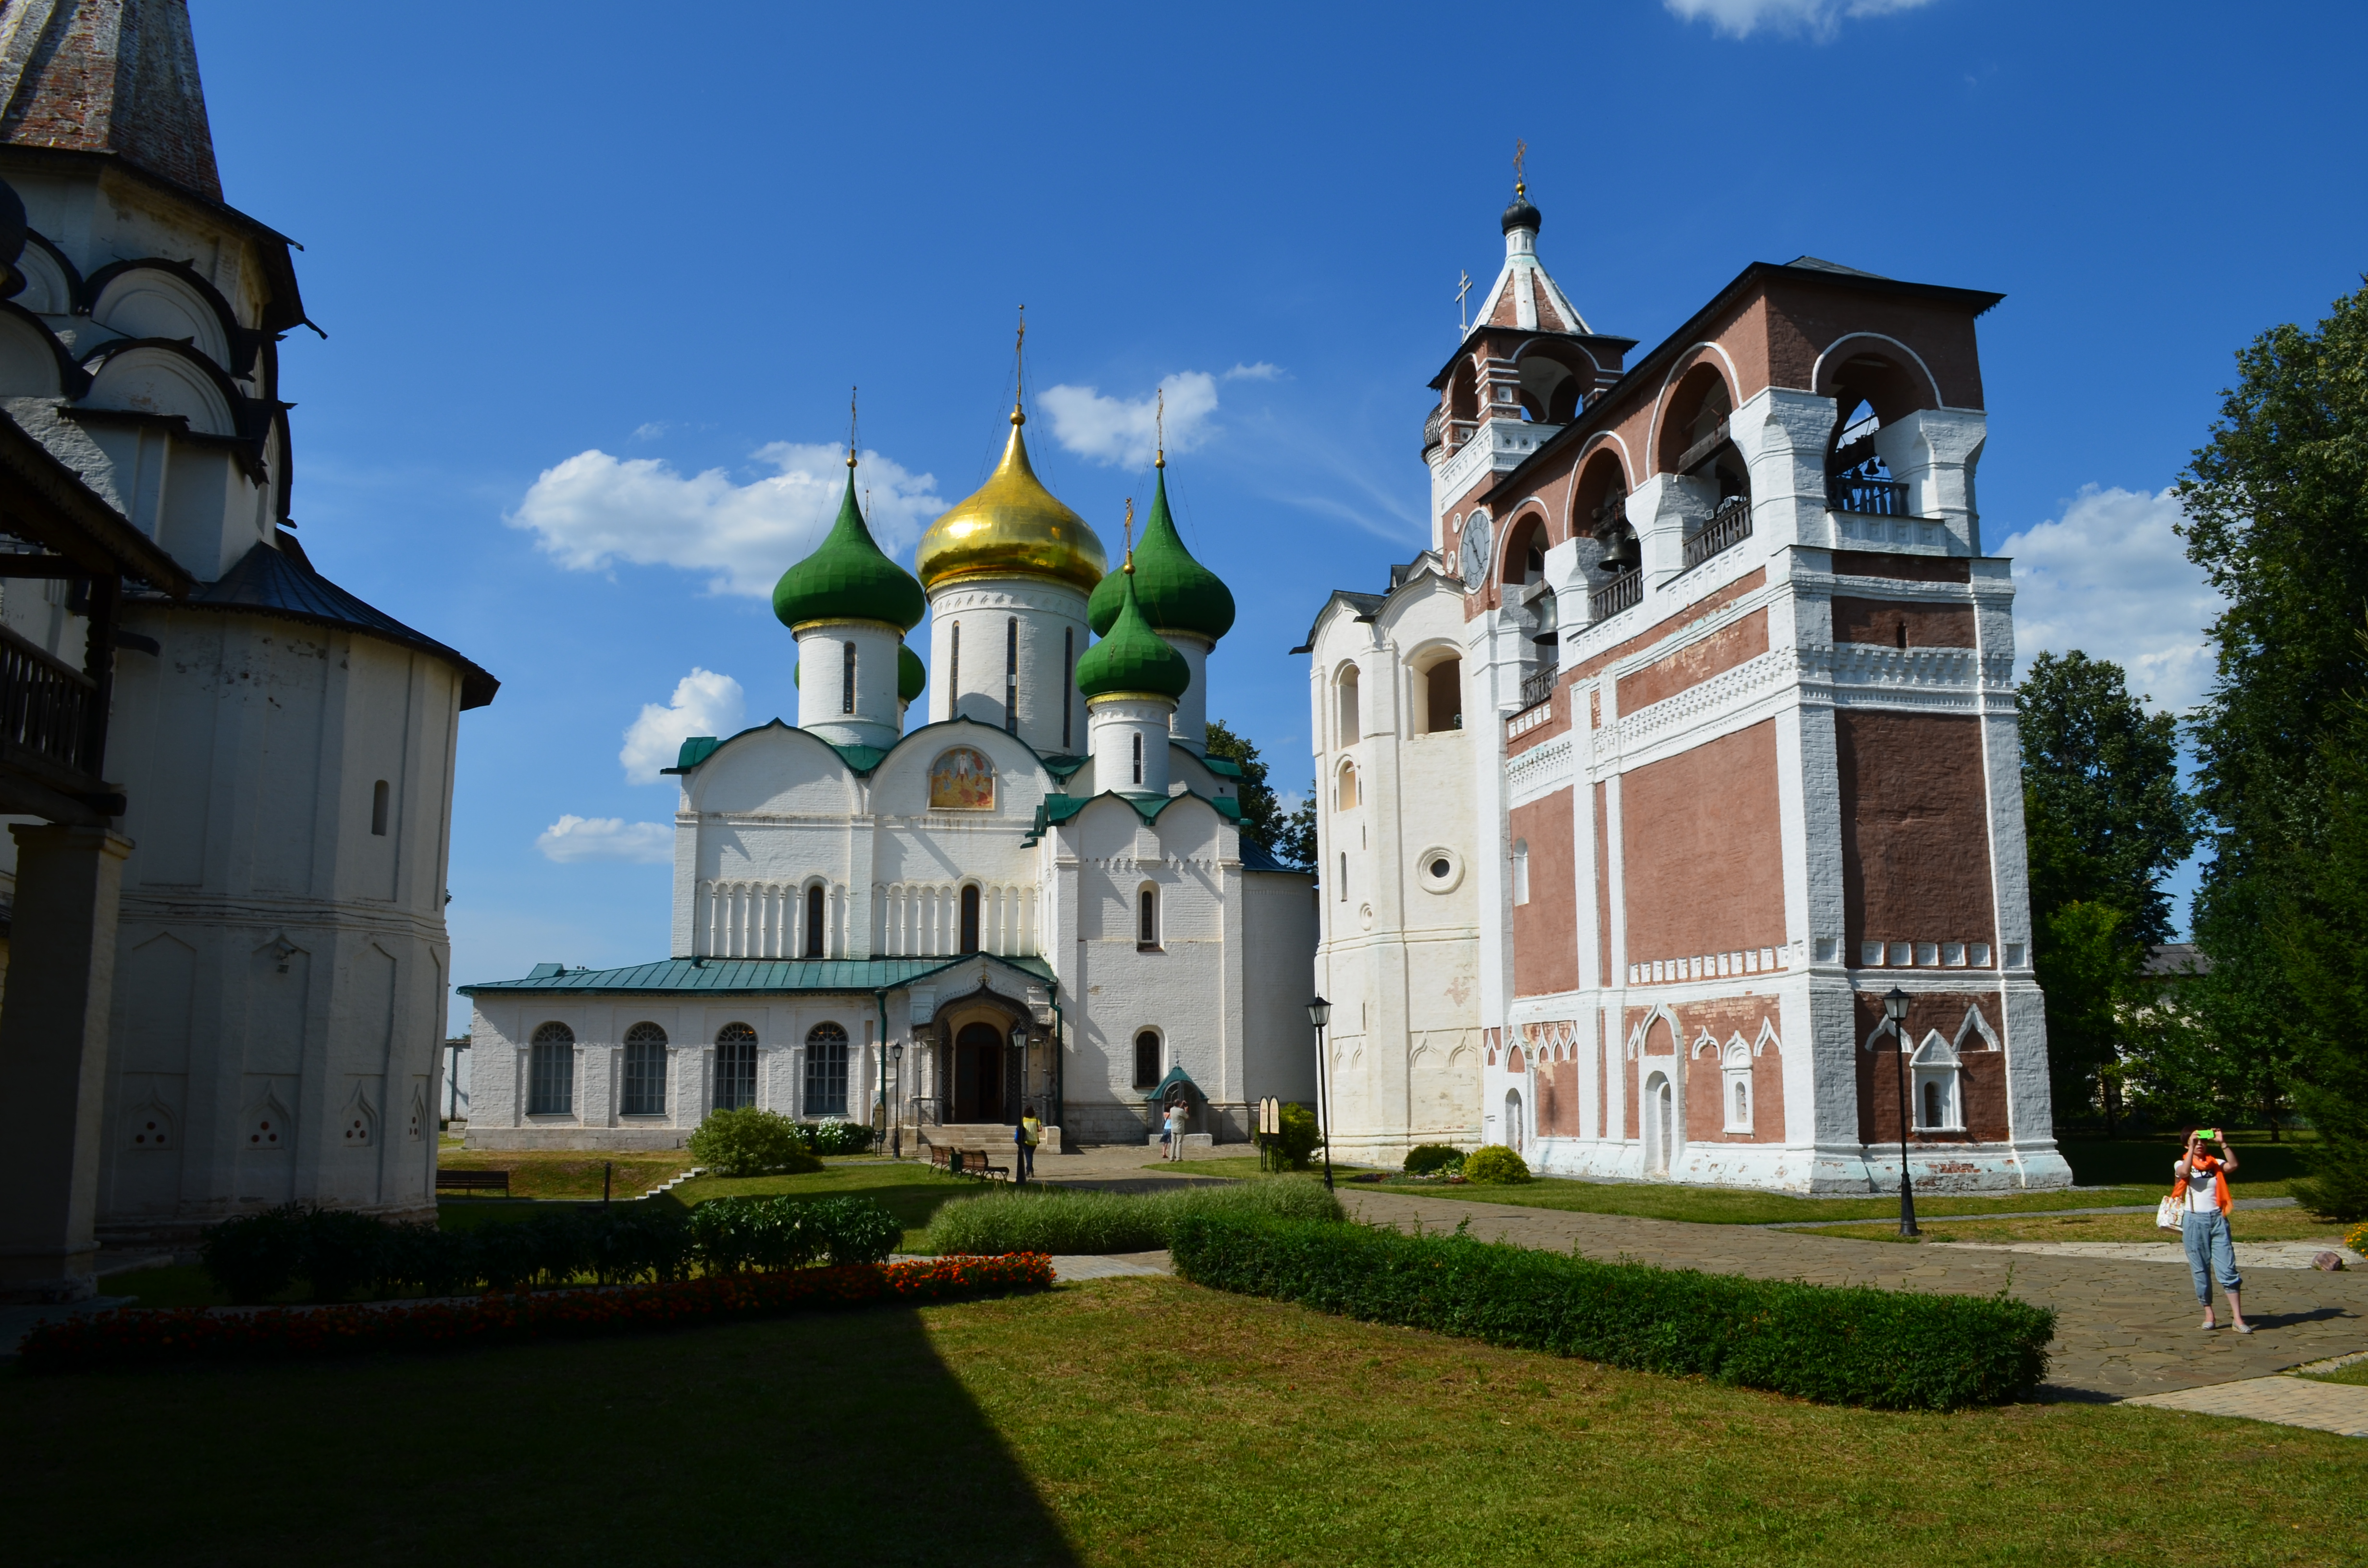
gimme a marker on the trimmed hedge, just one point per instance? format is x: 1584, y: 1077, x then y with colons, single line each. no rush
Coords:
x: 1035, y: 1219
x: 1496, y: 1165
x: 748, y: 1142
x: 1837, y: 1345
x: 256, y: 1256
x: 1426, y: 1159
x: 278, y: 1333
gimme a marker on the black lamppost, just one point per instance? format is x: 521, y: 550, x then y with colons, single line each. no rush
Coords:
x: 897, y: 1127
x: 1894, y: 1008
x: 1319, y: 1012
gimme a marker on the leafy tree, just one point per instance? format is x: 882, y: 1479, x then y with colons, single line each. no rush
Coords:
x: 1262, y: 817
x: 1295, y: 845
x: 2106, y: 821
x: 2325, y: 939
x: 2277, y: 507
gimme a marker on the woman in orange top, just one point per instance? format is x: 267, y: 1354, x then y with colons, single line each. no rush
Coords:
x: 2203, y: 1180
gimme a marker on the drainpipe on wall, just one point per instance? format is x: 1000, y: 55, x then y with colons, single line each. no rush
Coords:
x: 880, y: 999
x: 1060, y: 1077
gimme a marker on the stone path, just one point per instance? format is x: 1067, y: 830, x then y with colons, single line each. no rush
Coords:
x: 2288, y: 1401
x: 2124, y: 1328
x: 2250, y: 1254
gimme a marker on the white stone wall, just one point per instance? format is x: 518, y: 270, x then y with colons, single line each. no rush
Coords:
x: 984, y: 608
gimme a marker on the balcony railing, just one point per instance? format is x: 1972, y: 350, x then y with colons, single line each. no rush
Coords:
x: 1877, y: 497
x: 1536, y: 688
x: 45, y: 706
x: 1728, y: 527
x: 1625, y: 592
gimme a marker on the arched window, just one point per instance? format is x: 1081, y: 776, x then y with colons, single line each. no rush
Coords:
x: 1442, y: 685
x: 814, y: 921
x: 645, y: 1063
x: 1521, y: 870
x: 1146, y: 918
x: 1146, y: 1060
x: 954, y: 672
x: 826, y: 1071
x: 735, y: 1067
x: 1513, y: 1119
x: 1742, y: 1104
x: 970, y: 919
x: 1348, y: 794
x: 1350, y: 730
x: 847, y: 678
x: 378, y: 809
x: 1931, y: 1103
x: 1735, y: 1064
x: 551, y: 1076
x: 1068, y: 681
x: 1138, y: 757
x: 1344, y: 875
x: 1935, y: 1069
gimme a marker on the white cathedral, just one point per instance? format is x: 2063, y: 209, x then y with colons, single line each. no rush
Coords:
x: 1040, y: 897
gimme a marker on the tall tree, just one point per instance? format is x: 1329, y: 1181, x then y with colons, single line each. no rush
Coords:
x: 2106, y: 821
x: 1262, y: 816
x: 2277, y: 507
x: 2325, y: 939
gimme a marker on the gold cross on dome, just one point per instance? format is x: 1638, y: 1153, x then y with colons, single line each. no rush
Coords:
x: 1463, y: 299
x: 1520, y: 153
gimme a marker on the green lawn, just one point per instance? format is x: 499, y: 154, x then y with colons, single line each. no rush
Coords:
x: 2356, y: 1374
x: 1120, y: 1422
x: 912, y: 1189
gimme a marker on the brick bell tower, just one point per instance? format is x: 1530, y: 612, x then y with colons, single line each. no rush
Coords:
x: 1739, y: 750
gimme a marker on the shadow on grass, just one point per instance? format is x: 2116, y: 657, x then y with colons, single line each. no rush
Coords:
x: 836, y: 1438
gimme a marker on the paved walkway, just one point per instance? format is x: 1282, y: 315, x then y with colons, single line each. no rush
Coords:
x: 2124, y: 1328
x: 2288, y: 1401
x: 2250, y: 1254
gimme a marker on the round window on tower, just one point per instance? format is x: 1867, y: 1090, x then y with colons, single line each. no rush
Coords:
x: 1441, y: 869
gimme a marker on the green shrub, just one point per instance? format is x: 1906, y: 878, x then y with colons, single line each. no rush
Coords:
x: 832, y: 1136
x: 1838, y: 1345
x: 748, y: 1142
x: 1290, y: 1149
x: 1424, y: 1159
x: 342, y: 1252
x: 1495, y: 1164
x: 255, y: 1256
x: 1035, y: 1219
x: 855, y: 1230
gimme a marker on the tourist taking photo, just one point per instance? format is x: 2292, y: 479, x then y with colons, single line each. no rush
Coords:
x: 2201, y: 1187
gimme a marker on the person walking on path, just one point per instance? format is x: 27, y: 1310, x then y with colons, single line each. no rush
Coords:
x: 2201, y: 1180
x: 1177, y: 1118
x: 1024, y: 1138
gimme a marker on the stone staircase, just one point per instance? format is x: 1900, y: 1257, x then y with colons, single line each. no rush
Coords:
x: 670, y: 1186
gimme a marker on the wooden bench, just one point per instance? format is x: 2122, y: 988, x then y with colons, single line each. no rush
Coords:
x: 472, y: 1181
x: 970, y: 1159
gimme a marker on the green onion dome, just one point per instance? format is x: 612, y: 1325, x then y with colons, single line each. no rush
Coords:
x: 911, y: 674
x: 847, y: 578
x: 1176, y: 593
x: 1130, y: 657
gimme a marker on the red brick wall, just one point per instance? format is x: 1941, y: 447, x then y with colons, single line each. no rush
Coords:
x: 1880, y: 620
x: 1903, y: 568
x: 1723, y: 649
x: 1557, y: 1113
x: 1982, y: 1084
x: 1702, y: 851
x: 1545, y: 929
x: 1916, y: 857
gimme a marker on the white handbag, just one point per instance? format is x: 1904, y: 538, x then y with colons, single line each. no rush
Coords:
x: 2167, y: 1215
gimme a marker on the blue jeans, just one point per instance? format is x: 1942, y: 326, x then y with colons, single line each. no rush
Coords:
x: 1024, y: 1155
x: 2210, y: 1253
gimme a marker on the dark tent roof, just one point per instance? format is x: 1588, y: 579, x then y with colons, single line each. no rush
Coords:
x: 269, y: 583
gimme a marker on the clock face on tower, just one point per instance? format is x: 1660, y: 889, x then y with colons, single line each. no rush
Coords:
x: 1473, y: 555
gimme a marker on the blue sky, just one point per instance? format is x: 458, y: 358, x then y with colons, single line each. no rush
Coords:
x: 597, y: 279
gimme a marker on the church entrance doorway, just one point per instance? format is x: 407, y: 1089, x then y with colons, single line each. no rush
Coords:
x: 978, y: 1074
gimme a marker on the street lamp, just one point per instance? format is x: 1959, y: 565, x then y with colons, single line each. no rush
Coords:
x: 1894, y: 1008
x: 1319, y: 1012
x: 896, y: 1126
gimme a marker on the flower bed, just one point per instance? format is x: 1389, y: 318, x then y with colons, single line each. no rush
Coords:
x: 150, y: 1338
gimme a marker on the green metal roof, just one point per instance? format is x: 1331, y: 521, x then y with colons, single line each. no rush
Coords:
x: 1131, y: 656
x: 862, y: 760
x: 1223, y: 768
x: 1176, y: 592
x: 1176, y: 1078
x: 847, y: 578
x: 1054, y: 810
x: 747, y: 976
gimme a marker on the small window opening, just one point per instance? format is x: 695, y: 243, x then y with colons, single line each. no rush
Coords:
x: 954, y: 672
x: 1348, y: 730
x: 970, y: 919
x: 1138, y: 757
x: 1742, y: 1106
x: 1903, y: 632
x: 814, y: 921
x: 1344, y: 875
x: 378, y: 808
x: 1443, y: 689
x: 847, y: 678
x: 1931, y: 1104
x: 1011, y: 676
x: 1068, y: 681
x: 826, y: 1071
x: 1521, y: 870
x: 1146, y: 918
x: 1348, y: 794
x: 735, y: 1067
x: 1146, y: 1060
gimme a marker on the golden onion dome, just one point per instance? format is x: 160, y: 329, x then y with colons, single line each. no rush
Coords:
x: 1012, y: 528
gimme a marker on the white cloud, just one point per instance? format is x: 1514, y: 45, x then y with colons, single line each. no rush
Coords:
x: 573, y: 838
x: 704, y: 703
x: 1261, y: 371
x: 1121, y: 432
x: 595, y: 509
x: 2112, y: 578
x: 1740, y: 19
x: 650, y: 431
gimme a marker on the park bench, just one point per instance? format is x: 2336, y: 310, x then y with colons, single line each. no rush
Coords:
x: 969, y: 1159
x: 472, y: 1181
